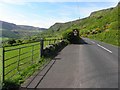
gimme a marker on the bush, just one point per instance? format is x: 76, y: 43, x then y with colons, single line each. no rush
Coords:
x: 27, y: 41
x: 53, y: 49
x: 11, y: 42
x: 19, y: 41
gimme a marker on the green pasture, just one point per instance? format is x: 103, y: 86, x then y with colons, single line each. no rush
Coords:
x: 20, y: 59
x: 17, y: 59
x: 3, y: 38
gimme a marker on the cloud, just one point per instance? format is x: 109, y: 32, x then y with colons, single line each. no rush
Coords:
x: 17, y: 2
x: 28, y: 1
x: 63, y: 14
x: 35, y: 20
x: 77, y: 11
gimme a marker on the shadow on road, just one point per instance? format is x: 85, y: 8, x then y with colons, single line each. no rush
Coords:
x: 57, y: 58
x: 81, y: 42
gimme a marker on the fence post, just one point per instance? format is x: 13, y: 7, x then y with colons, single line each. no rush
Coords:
x: 54, y: 41
x: 49, y: 42
x: 32, y: 54
x: 41, y: 49
x: 18, y: 59
x: 3, y: 65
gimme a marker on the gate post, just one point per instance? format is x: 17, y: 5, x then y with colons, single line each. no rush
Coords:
x: 3, y: 65
x: 41, y: 47
x: 1, y: 76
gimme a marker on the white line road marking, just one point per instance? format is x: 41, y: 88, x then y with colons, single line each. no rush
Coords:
x: 92, y: 42
x: 104, y: 48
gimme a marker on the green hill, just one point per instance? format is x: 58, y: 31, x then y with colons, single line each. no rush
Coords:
x: 100, y: 25
x: 11, y: 30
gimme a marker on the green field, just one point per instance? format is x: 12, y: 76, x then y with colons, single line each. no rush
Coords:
x: 3, y: 38
x: 18, y: 60
x: 22, y: 60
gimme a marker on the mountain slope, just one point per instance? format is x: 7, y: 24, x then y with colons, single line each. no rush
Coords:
x: 12, y: 26
x: 11, y: 30
x: 101, y: 25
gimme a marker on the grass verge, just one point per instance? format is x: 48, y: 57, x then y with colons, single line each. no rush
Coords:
x: 110, y: 37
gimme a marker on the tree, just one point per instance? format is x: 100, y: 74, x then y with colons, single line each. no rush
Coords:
x: 11, y: 41
x: 19, y: 41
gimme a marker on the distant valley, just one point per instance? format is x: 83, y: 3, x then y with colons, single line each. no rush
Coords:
x: 11, y: 30
x: 101, y: 25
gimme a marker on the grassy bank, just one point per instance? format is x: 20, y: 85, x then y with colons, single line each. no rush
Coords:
x: 101, y: 25
x: 110, y: 37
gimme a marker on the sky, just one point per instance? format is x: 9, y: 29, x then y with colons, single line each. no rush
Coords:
x: 45, y: 13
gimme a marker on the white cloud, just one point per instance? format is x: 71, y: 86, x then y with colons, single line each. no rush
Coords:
x: 40, y: 21
x: 82, y: 12
x: 27, y: 1
x: 13, y: 1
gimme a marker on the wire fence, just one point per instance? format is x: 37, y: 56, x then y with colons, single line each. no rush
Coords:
x: 14, y: 60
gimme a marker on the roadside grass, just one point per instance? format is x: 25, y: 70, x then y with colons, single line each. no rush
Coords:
x: 110, y: 37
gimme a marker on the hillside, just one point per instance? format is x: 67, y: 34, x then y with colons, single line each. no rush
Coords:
x: 11, y: 30
x: 100, y: 25
x: 12, y: 26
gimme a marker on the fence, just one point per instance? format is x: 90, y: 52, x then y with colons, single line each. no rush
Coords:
x: 16, y: 59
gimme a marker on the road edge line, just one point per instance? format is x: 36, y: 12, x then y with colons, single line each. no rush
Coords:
x: 104, y: 48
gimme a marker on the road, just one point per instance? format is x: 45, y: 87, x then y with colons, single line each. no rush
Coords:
x: 92, y: 64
